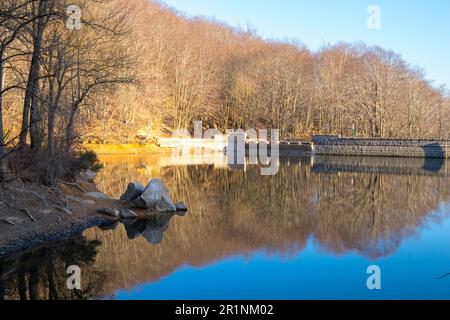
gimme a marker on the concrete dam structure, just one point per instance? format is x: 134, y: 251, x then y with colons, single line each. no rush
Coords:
x: 410, y: 148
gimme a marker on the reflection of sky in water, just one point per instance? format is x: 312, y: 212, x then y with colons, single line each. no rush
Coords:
x: 409, y: 273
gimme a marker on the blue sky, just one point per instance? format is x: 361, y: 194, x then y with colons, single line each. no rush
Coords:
x: 417, y: 29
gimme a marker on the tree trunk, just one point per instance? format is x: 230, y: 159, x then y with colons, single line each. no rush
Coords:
x: 51, y: 121
x: 52, y: 108
x: 33, y: 282
x: 2, y: 137
x: 21, y: 284
x: 30, y: 101
x: 70, y: 129
x: 2, y: 285
x: 3, y: 165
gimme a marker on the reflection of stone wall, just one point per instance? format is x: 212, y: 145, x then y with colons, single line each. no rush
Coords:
x: 382, y: 165
x: 333, y: 145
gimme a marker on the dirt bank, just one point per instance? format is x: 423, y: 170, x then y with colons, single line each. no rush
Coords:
x: 32, y: 215
x: 112, y: 149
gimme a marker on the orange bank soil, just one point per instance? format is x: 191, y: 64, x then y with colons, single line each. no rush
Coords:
x: 33, y: 215
x: 113, y: 149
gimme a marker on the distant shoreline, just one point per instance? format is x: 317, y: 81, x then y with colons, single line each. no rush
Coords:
x: 125, y: 149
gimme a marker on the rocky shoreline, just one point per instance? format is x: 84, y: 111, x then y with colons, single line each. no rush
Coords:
x: 39, y: 238
x: 33, y: 216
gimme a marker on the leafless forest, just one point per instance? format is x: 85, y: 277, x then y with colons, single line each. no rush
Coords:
x: 139, y: 65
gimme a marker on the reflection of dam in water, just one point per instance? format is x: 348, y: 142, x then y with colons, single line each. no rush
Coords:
x: 381, y: 165
x: 326, y: 164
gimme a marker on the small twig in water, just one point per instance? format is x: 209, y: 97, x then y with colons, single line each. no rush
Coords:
x: 28, y: 213
x: 65, y: 210
x: 8, y: 222
x: 444, y: 276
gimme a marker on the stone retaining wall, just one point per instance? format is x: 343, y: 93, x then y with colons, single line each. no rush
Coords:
x: 415, y: 148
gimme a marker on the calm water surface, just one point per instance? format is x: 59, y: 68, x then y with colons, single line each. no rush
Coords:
x: 308, y: 232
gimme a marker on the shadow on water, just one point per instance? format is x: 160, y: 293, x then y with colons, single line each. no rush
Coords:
x: 41, y: 274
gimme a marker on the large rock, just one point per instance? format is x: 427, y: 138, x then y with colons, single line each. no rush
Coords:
x: 134, y: 190
x: 154, y: 194
x: 164, y: 206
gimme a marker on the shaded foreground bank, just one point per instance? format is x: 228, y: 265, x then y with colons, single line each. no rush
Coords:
x: 33, y: 215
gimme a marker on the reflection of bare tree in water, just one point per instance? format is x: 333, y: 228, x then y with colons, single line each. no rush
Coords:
x: 235, y: 212
x: 368, y: 212
x: 41, y: 274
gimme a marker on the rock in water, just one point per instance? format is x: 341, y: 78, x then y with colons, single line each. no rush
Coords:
x: 135, y: 229
x: 153, y: 193
x: 181, y: 207
x: 97, y: 195
x: 127, y: 214
x: 134, y: 190
x: 163, y: 206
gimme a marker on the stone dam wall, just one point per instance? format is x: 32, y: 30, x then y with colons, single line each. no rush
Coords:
x: 413, y: 148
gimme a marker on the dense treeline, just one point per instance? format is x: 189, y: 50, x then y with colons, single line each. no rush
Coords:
x: 200, y: 69
x: 139, y: 65
x: 53, y: 65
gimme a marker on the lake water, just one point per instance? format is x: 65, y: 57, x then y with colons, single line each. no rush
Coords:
x: 309, y: 232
